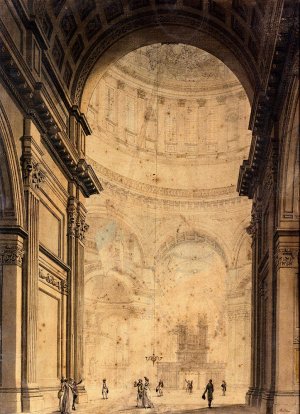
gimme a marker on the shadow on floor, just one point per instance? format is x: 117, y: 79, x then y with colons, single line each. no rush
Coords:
x: 225, y: 409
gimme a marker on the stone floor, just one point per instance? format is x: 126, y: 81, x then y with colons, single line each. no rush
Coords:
x: 173, y: 402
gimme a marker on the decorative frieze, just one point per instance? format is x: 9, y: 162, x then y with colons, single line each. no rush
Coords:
x: 11, y: 255
x: 286, y: 257
x: 59, y: 284
x: 239, y: 314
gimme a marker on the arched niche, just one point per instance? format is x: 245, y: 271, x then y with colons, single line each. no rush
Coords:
x: 11, y: 193
x: 177, y: 30
x: 191, y: 236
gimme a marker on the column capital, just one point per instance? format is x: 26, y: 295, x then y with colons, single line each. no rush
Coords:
x: 255, y: 219
x: 72, y: 216
x: 11, y: 254
x: 81, y: 225
x: 286, y: 257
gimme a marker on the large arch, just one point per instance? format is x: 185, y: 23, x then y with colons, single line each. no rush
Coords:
x: 11, y: 193
x: 160, y: 28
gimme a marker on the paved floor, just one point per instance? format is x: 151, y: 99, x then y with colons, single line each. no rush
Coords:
x: 173, y: 402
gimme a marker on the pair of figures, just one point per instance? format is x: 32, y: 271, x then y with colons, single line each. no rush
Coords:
x: 143, y: 399
x: 68, y: 395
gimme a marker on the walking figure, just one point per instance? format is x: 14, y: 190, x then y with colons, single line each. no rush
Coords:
x: 74, y: 385
x: 140, y: 389
x: 189, y: 386
x: 104, y: 390
x: 147, y: 403
x: 65, y: 396
x: 209, y: 390
x: 223, y: 385
x: 159, y: 388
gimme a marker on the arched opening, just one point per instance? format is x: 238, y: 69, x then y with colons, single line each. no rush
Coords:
x: 107, y: 51
x: 169, y: 126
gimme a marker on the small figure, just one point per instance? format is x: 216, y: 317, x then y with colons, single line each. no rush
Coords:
x: 223, y: 386
x: 209, y: 389
x: 189, y: 386
x: 104, y: 390
x: 74, y: 391
x: 147, y: 403
x: 65, y: 397
x: 159, y: 388
x: 139, y: 397
x: 61, y: 394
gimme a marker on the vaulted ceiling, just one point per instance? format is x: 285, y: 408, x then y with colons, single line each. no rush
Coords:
x: 79, y: 31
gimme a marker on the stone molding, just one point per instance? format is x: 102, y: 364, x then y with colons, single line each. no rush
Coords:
x: 11, y: 255
x: 50, y: 279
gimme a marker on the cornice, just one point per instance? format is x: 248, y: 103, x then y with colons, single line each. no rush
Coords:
x: 269, y: 97
x: 54, y: 258
x: 130, y: 184
x: 30, y: 97
x: 17, y: 230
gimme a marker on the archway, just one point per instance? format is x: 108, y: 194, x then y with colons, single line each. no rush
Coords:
x: 153, y: 147
x: 11, y: 256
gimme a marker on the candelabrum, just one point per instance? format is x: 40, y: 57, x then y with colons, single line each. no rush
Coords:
x: 154, y: 358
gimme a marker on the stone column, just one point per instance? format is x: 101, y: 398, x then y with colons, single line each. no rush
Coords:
x: 81, y: 228
x: 254, y: 231
x: 33, y: 176
x: 286, y: 398
x: 72, y: 217
x: 11, y: 257
x: 76, y: 237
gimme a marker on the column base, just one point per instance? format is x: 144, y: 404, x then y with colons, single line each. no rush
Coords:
x: 286, y: 402
x: 253, y: 397
x: 32, y: 400
x: 82, y: 395
x: 10, y: 400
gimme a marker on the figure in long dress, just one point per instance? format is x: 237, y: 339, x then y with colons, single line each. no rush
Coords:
x: 140, y: 390
x: 67, y: 398
x: 61, y: 394
x: 159, y: 388
x: 147, y: 403
x: 104, y: 390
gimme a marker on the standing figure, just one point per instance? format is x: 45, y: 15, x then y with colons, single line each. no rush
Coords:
x: 223, y: 386
x: 210, y: 390
x: 140, y: 390
x: 74, y: 385
x: 66, y: 397
x: 147, y: 403
x: 104, y: 390
x: 189, y: 386
x: 61, y: 394
x: 159, y: 388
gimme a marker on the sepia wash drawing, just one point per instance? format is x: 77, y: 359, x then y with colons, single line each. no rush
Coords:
x: 149, y: 206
